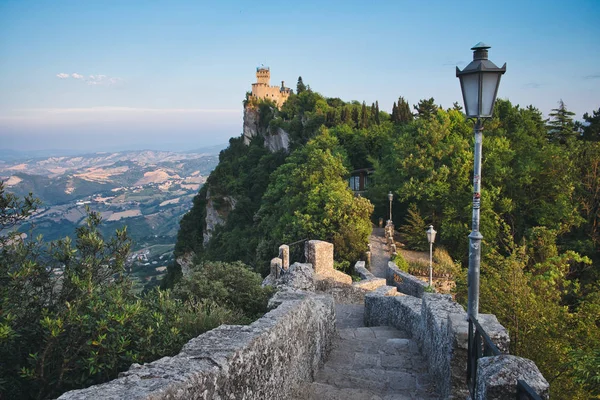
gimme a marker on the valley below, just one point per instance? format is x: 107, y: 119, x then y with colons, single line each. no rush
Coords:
x: 146, y: 191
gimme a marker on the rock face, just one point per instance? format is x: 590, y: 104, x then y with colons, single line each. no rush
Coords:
x: 278, y: 141
x: 185, y: 262
x: 274, y: 141
x: 267, y: 359
x: 216, y: 216
x: 251, y: 127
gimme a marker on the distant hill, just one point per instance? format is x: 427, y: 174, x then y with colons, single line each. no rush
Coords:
x: 60, y: 179
x: 147, y: 191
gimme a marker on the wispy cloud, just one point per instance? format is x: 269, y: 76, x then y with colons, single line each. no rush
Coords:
x: 532, y: 85
x: 595, y: 76
x: 455, y: 63
x: 92, y: 80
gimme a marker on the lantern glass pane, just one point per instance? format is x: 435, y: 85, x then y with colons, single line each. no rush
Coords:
x: 470, y: 83
x: 488, y: 93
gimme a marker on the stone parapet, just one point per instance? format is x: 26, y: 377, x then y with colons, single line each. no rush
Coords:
x: 440, y: 327
x: 368, y: 281
x: 498, y: 375
x: 267, y: 359
x: 404, y: 282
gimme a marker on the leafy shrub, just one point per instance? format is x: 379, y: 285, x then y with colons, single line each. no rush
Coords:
x: 443, y: 263
x: 401, y: 262
x: 232, y: 285
x: 69, y: 317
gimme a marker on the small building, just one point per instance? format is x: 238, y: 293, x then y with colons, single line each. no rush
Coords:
x: 359, y: 179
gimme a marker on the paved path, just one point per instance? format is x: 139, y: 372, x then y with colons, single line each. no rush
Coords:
x: 379, y: 253
x: 376, y: 363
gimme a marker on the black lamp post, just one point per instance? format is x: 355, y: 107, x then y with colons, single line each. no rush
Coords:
x: 479, y: 83
x: 431, y: 238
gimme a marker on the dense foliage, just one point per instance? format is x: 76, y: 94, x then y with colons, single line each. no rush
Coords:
x: 539, y: 213
x: 69, y: 317
x: 539, y: 218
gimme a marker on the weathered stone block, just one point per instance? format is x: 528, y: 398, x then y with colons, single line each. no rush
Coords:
x: 497, y: 377
x: 276, y: 267
x: 284, y: 254
x: 299, y: 276
x: 320, y: 255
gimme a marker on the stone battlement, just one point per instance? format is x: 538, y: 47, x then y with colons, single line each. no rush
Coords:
x: 262, y: 88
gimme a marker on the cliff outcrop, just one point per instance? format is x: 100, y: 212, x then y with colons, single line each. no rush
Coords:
x: 276, y: 139
x: 216, y: 216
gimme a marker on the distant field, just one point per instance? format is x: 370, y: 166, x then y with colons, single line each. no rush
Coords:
x: 124, y: 214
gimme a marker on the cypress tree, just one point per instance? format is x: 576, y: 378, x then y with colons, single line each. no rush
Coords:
x: 364, y: 117
x: 394, y: 113
x: 300, y: 86
x: 403, y: 112
x: 377, y: 120
x: 355, y: 116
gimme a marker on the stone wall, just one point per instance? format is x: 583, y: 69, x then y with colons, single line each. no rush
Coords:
x: 440, y: 327
x: 404, y: 282
x: 265, y: 360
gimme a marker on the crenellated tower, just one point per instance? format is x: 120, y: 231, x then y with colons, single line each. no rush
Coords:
x: 262, y: 88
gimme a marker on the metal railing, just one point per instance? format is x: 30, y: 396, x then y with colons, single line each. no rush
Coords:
x: 480, y: 345
x: 526, y: 392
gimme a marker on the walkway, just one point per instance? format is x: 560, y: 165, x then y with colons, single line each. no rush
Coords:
x: 377, y: 363
x: 379, y: 253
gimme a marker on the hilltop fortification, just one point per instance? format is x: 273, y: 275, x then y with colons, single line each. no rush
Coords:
x: 262, y: 88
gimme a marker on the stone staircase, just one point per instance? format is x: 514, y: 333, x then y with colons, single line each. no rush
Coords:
x: 369, y: 363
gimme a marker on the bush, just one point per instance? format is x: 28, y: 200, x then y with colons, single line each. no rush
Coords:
x: 443, y: 263
x: 69, y: 317
x: 401, y: 262
x: 232, y: 285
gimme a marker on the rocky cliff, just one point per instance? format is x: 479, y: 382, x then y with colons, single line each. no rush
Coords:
x: 275, y: 139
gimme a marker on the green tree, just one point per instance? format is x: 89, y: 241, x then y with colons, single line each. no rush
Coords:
x: 308, y: 197
x: 426, y: 108
x: 69, y: 317
x: 561, y: 127
x: 413, y: 231
x: 300, y: 86
x: 591, y: 131
x: 404, y: 113
x: 364, y: 116
x: 377, y: 116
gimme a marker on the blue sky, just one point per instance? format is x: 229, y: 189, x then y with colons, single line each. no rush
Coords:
x: 102, y: 75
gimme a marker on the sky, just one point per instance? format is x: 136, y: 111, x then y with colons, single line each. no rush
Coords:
x: 171, y: 75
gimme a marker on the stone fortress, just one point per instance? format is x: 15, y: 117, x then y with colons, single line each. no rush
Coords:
x: 262, y: 89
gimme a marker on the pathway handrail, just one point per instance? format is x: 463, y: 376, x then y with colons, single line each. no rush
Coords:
x: 481, y: 345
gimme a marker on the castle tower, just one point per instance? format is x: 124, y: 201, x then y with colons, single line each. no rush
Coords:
x: 263, y: 75
x: 262, y: 89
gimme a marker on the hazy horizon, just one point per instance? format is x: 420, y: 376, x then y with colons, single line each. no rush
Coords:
x: 83, y: 75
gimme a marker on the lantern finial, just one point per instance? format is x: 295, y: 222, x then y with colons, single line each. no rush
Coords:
x: 480, y: 51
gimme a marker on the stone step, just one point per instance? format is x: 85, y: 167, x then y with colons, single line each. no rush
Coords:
x: 323, y: 391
